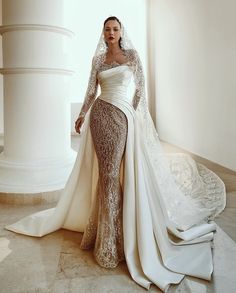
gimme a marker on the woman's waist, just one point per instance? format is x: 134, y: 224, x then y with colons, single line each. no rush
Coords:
x: 109, y: 97
x: 116, y: 97
x: 123, y: 104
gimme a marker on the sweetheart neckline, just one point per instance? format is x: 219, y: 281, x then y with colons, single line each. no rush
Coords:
x: 115, y: 62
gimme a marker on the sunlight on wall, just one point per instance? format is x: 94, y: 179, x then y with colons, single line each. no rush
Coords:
x: 86, y: 20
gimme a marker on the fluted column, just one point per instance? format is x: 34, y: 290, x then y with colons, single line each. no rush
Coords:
x: 37, y: 156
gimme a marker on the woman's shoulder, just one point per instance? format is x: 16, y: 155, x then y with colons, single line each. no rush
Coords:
x: 131, y: 55
x: 131, y: 52
x: 99, y: 57
x: 98, y: 60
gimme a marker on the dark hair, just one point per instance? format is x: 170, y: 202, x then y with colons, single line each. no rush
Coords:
x: 113, y: 18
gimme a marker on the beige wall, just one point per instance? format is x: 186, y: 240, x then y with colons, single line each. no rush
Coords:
x: 195, y: 65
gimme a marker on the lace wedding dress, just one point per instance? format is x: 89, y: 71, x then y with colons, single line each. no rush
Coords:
x: 131, y: 200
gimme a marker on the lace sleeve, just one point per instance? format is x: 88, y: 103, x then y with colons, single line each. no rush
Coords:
x: 91, y: 90
x: 138, y: 79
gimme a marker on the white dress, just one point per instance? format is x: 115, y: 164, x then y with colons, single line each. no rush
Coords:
x: 160, y: 245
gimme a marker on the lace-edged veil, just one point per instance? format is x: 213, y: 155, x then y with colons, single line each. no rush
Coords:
x: 125, y: 43
x: 181, y: 210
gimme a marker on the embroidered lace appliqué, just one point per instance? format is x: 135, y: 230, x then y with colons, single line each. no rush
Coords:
x: 104, y: 230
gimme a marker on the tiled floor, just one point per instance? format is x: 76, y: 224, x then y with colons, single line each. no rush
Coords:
x: 54, y: 263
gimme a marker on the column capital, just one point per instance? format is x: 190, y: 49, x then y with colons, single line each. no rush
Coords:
x: 24, y: 70
x: 36, y: 27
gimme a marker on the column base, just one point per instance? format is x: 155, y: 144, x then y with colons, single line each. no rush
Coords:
x: 34, y: 177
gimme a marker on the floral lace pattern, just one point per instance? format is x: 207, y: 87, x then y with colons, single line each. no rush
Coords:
x: 206, y: 189
x: 104, y: 230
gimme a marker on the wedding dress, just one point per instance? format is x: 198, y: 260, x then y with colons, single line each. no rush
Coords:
x: 151, y: 254
x: 131, y: 200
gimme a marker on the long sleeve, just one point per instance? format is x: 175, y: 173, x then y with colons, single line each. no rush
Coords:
x: 91, y: 91
x: 138, y: 79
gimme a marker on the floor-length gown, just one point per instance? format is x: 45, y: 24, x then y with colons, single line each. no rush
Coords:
x: 116, y: 197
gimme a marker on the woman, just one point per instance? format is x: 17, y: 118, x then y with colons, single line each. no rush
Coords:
x: 121, y: 192
x: 108, y: 126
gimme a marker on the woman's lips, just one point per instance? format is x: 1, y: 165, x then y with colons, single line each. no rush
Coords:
x: 111, y: 38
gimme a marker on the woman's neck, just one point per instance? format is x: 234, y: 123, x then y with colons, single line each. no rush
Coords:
x: 113, y: 49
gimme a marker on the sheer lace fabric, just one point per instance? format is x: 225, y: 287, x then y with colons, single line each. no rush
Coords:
x: 198, y: 182
x: 104, y: 229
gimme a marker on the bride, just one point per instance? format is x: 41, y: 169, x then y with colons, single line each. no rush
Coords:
x: 124, y: 193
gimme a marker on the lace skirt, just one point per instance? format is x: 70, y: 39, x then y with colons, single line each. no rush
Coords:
x: 104, y: 231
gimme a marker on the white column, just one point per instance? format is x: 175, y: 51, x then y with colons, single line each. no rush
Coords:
x: 37, y: 156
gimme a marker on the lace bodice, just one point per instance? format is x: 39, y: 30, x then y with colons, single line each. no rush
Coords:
x: 99, y: 65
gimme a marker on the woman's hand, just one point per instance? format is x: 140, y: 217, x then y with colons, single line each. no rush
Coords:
x: 78, y: 123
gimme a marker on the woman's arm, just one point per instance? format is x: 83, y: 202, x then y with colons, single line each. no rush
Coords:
x: 89, y: 97
x: 91, y: 91
x: 138, y: 79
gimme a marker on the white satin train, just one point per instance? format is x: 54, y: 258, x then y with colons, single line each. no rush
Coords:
x: 156, y: 250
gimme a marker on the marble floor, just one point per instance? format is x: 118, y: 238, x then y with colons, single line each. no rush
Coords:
x: 54, y: 263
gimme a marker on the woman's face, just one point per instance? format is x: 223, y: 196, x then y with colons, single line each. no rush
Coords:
x: 112, y: 32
